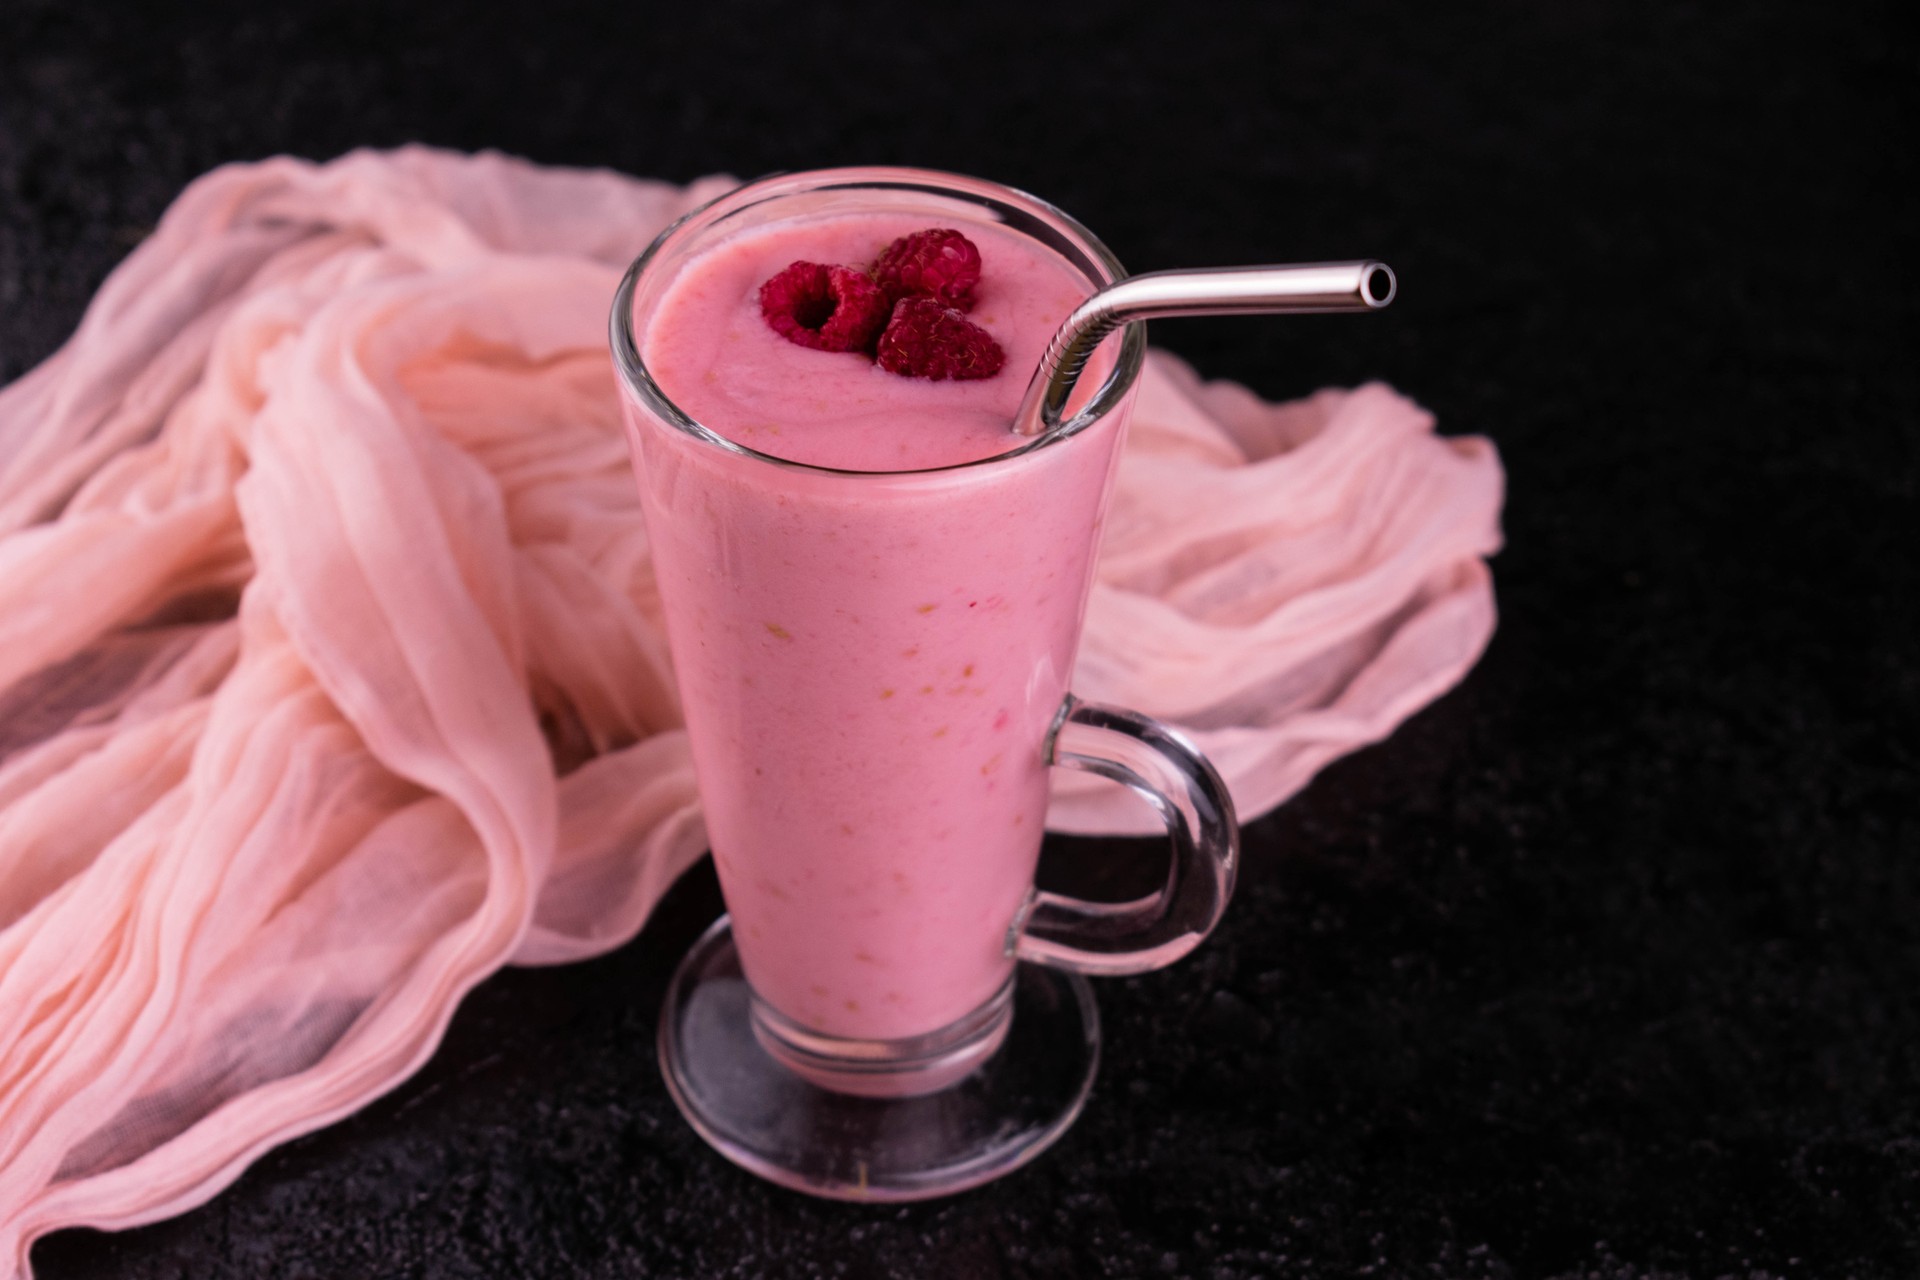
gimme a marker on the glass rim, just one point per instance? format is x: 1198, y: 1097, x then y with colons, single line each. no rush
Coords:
x: 639, y: 381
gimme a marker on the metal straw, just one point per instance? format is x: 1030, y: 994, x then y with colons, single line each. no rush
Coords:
x: 1317, y: 286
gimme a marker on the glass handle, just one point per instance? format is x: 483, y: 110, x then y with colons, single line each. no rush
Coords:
x: 1109, y: 938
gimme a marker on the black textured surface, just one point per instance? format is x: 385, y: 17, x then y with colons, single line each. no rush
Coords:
x: 1604, y: 965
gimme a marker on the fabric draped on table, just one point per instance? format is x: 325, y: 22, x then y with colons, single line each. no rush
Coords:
x: 331, y: 669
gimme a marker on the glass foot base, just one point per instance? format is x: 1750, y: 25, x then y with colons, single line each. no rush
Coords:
x: 772, y: 1122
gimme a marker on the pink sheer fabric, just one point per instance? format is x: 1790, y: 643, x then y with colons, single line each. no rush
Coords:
x: 331, y: 673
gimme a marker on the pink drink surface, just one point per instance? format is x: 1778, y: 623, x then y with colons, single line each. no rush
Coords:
x: 717, y: 358
x: 870, y: 664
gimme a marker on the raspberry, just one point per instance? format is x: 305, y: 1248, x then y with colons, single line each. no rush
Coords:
x: 827, y: 308
x: 927, y: 340
x: 937, y: 263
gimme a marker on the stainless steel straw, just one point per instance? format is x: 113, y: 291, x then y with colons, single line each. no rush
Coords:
x: 1317, y: 286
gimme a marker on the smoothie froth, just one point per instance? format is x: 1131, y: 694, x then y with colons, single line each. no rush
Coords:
x: 716, y: 357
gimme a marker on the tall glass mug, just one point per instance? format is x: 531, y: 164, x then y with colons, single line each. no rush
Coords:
x: 874, y: 668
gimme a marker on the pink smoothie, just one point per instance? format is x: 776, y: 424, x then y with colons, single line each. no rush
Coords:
x: 869, y: 663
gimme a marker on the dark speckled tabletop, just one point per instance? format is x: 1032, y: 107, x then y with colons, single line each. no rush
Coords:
x: 1604, y: 965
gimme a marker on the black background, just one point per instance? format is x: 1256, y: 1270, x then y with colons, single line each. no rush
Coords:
x: 1606, y: 964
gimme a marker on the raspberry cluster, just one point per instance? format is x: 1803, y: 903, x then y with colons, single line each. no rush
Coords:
x: 906, y: 310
